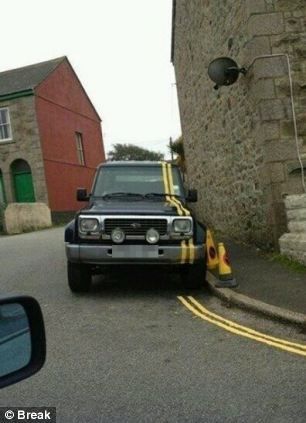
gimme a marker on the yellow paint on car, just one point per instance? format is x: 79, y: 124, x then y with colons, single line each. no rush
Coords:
x: 191, y: 251
x: 183, y: 252
x: 185, y: 212
x: 167, y: 188
x: 187, y: 249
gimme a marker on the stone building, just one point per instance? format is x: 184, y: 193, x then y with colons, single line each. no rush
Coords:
x: 50, y: 135
x: 240, y: 143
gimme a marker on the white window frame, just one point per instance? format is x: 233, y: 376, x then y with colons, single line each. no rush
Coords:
x: 8, y: 123
x: 80, y: 148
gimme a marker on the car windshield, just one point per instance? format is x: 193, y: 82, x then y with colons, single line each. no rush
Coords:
x: 137, y: 180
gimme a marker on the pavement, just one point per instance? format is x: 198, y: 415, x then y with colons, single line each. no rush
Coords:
x: 264, y: 285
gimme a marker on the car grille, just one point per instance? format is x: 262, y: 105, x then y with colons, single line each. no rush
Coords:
x: 136, y: 227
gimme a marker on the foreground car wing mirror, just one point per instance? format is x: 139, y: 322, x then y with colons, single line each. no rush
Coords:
x: 22, y: 339
x: 192, y: 196
x: 82, y: 194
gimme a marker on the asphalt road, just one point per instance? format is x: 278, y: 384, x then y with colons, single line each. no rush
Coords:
x: 130, y: 351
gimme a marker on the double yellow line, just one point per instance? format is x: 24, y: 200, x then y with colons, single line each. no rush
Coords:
x: 199, y: 310
x: 187, y: 248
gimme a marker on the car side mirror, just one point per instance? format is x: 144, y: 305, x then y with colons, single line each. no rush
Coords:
x: 22, y: 339
x: 82, y: 194
x: 192, y: 196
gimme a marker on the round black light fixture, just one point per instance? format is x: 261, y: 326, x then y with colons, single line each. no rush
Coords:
x: 224, y: 71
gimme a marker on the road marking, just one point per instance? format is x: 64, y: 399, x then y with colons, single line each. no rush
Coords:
x: 244, y: 328
x: 199, y: 310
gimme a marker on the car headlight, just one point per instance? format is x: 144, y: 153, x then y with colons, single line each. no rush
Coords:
x: 89, y: 225
x: 182, y: 225
x: 118, y: 236
x: 152, y: 236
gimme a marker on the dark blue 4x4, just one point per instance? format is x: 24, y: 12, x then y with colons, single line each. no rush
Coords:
x: 137, y: 214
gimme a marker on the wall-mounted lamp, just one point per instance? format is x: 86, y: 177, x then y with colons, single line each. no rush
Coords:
x: 224, y: 71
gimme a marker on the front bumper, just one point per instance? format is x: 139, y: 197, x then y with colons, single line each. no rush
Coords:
x: 95, y: 254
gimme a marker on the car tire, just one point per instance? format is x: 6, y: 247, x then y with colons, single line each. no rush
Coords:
x: 194, y: 276
x: 79, y: 277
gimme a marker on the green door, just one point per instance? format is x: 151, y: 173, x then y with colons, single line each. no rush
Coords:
x: 24, y: 190
x: 2, y: 192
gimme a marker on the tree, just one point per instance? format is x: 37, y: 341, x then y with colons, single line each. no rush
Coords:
x: 133, y: 152
x: 177, y: 147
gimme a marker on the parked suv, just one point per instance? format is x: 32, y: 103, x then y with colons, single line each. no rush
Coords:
x: 137, y: 214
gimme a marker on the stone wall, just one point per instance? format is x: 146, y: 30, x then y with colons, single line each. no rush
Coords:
x: 24, y: 145
x: 25, y: 217
x: 293, y: 244
x: 239, y: 141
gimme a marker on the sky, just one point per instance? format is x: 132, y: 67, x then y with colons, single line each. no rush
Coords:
x: 120, y: 50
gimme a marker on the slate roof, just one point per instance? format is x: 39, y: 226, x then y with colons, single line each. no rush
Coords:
x: 27, y: 77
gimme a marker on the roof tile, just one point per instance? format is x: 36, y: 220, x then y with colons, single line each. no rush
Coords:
x: 27, y: 77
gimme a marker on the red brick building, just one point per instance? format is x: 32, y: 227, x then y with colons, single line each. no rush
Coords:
x: 50, y: 135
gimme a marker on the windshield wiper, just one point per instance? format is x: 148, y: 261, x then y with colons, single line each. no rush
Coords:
x: 160, y: 194
x: 122, y: 194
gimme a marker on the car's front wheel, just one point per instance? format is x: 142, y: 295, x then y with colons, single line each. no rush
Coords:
x: 194, y: 276
x: 79, y: 277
